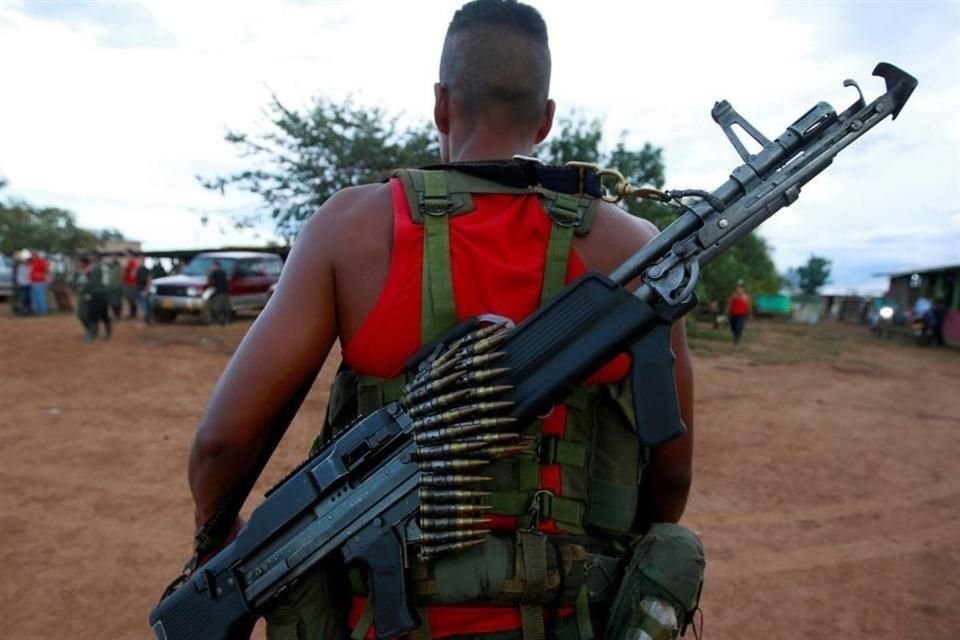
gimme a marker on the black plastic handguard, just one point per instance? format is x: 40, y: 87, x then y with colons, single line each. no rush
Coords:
x: 587, y: 325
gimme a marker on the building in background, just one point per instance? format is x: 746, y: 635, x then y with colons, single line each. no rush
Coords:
x: 931, y: 283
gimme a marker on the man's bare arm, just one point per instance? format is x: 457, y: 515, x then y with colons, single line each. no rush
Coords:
x: 666, y: 480
x: 288, y: 342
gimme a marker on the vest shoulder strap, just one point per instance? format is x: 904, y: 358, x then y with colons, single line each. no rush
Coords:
x: 428, y: 194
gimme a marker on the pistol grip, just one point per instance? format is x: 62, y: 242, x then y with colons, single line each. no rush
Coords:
x: 384, y: 556
x: 654, y: 388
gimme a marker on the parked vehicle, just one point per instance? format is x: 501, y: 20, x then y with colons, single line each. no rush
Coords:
x: 250, y: 275
x: 6, y: 277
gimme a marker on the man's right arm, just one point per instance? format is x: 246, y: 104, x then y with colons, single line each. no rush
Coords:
x: 288, y: 342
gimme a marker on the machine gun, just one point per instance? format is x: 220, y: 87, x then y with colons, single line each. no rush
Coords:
x: 397, y: 479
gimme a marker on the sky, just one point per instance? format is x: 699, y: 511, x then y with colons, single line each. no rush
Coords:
x: 112, y: 109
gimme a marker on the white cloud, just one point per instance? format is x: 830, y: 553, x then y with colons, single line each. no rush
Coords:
x: 117, y: 134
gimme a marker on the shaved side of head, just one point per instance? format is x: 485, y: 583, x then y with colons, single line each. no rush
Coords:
x: 496, y: 61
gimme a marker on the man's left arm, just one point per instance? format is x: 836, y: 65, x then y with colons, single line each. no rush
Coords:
x: 666, y: 479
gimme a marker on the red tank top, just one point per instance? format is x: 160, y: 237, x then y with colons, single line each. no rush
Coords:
x: 497, y: 257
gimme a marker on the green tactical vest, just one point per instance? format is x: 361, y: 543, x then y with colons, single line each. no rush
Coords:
x: 599, y: 454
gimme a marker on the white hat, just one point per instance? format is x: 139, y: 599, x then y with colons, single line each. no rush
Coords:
x: 25, y: 254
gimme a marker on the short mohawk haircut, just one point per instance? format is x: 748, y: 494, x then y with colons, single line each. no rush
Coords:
x: 508, y: 13
x: 496, y: 59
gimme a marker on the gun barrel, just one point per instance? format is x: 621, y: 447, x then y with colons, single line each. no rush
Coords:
x: 772, y: 178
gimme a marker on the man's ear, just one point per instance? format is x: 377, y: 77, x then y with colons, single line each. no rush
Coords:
x: 546, y: 121
x: 441, y: 108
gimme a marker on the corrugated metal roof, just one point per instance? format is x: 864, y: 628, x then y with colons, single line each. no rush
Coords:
x: 919, y: 270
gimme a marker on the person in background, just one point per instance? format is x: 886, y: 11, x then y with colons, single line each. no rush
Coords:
x: 113, y: 278
x: 220, y: 301
x: 22, y: 282
x: 60, y: 268
x: 79, y: 283
x: 157, y: 270
x: 94, y: 294
x: 39, y: 281
x: 142, y: 284
x: 935, y: 316
x: 738, y: 311
x: 130, y: 290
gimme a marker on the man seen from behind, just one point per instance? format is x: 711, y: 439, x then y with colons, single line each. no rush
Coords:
x: 616, y: 563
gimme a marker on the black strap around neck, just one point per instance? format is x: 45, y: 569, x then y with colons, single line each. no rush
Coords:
x: 521, y: 173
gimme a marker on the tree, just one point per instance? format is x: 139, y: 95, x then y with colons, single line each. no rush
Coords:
x: 306, y: 157
x: 50, y: 229
x: 810, y: 277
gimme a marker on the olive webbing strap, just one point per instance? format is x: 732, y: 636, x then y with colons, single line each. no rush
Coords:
x: 584, y: 627
x: 555, y: 267
x: 534, y: 548
x: 438, y: 307
x: 567, y: 213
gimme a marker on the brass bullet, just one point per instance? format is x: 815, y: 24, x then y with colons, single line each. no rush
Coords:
x: 491, y: 438
x: 426, y: 387
x: 473, y: 338
x: 506, y: 450
x: 452, y: 524
x: 439, y: 402
x: 447, y: 450
x: 494, y: 406
x: 450, y: 495
x: 486, y: 392
x: 442, y: 537
x: 476, y: 361
x: 461, y: 429
x: 434, y: 509
x: 439, y: 368
x: 450, y: 480
x: 482, y: 375
x: 446, y: 417
x: 460, y: 464
x: 485, y: 344
x: 432, y: 551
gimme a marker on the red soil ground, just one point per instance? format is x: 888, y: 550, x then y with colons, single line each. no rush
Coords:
x: 826, y: 487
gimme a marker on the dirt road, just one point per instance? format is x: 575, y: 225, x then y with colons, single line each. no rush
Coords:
x: 826, y: 487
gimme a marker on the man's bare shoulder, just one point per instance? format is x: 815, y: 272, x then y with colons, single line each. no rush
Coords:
x: 355, y: 216
x: 614, y: 236
x: 350, y: 208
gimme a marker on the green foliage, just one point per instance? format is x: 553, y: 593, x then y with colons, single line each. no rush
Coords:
x: 24, y: 226
x: 808, y: 278
x: 306, y: 157
x: 48, y: 229
x: 748, y: 260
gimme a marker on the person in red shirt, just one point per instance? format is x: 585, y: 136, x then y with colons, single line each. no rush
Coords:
x: 130, y: 291
x: 39, y: 281
x: 738, y: 311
